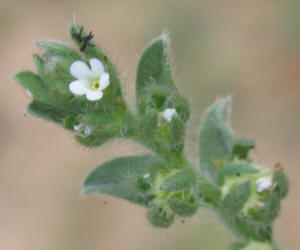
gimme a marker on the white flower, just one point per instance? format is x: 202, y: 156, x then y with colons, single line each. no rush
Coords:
x: 168, y: 114
x: 90, y: 81
x: 147, y: 175
x: 82, y: 129
x: 263, y: 183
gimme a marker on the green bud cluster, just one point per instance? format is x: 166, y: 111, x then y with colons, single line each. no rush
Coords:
x: 164, y: 182
x: 247, y: 206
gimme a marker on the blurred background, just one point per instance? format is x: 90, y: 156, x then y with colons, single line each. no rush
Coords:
x: 248, y: 49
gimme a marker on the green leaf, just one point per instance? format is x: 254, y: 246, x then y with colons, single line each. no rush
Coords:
x: 269, y: 211
x: 209, y: 193
x: 58, y: 48
x: 155, y: 87
x: 70, y: 121
x: 241, y: 147
x: 237, y: 169
x: 57, y: 77
x: 282, y: 184
x: 39, y: 63
x: 47, y: 111
x: 154, y: 70
x: 155, y: 92
x: 121, y: 178
x: 234, y: 201
x: 34, y: 84
x: 216, y: 139
x: 251, y: 229
x: 182, y: 180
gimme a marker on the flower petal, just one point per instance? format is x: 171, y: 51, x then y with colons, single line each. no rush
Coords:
x: 263, y: 183
x: 169, y: 113
x: 94, y: 95
x: 80, y: 70
x: 78, y: 87
x: 97, y: 66
x: 104, y: 81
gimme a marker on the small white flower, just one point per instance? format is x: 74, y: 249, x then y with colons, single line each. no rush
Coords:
x: 263, y: 183
x: 82, y: 129
x: 88, y: 130
x: 90, y: 81
x: 168, y: 114
x: 147, y: 175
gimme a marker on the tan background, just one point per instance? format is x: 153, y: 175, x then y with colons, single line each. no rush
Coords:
x: 250, y: 49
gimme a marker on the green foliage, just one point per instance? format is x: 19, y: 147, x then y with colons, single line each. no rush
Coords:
x: 281, y: 184
x: 241, y: 147
x: 251, y: 229
x: 234, y: 201
x: 59, y: 49
x: 156, y: 92
x: 216, y: 139
x: 269, y: 211
x: 47, y: 111
x: 122, y: 176
x: 103, y: 127
x: 154, y: 71
x: 97, y: 121
x: 164, y: 182
x: 185, y: 179
x: 271, y: 199
x: 34, y: 84
x: 238, y: 168
x: 209, y: 193
x: 235, y: 168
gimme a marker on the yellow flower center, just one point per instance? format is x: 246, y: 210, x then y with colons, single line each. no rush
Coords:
x: 95, y: 85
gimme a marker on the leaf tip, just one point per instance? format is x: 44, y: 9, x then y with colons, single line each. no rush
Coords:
x: 16, y: 77
x: 85, y: 192
x: 164, y: 38
x: 86, y: 189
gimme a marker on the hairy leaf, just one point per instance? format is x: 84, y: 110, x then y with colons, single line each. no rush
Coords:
x: 184, y: 179
x: 216, y: 139
x: 234, y: 201
x: 154, y: 69
x: 34, y: 84
x: 121, y: 178
x: 156, y: 92
x: 251, y: 229
x: 58, y: 48
x: 282, y: 184
x: 234, y: 168
x: 241, y: 147
x: 47, y: 111
x: 209, y: 193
